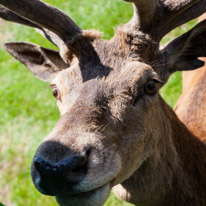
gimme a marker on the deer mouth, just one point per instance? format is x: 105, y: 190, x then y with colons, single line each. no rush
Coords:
x: 96, y: 197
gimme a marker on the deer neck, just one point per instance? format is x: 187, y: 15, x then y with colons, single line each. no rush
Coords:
x: 175, y: 174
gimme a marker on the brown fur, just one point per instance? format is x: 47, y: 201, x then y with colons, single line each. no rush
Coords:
x: 177, y: 177
x: 108, y: 97
x: 193, y: 113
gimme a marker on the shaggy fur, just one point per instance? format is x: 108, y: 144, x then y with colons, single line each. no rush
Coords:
x: 111, y: 112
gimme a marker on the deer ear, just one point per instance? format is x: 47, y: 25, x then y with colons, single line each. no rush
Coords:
x: 43, y: 63
x: 182, y: 53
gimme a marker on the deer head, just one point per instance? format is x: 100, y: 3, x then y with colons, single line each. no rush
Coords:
x: 112, y: 116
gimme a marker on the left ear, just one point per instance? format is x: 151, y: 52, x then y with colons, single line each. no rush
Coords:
x: 44, y: 63
x: 182, y: 53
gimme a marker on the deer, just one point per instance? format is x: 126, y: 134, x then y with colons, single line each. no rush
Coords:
x: 116, y: 133
x: 193, y: 114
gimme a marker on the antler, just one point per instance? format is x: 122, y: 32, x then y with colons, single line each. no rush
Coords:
x: 158, y: 17
x: 8, y: 15
x: 52, y: 23
x: 48, y: 17
x: 143, y: 13
x: 11, y: 16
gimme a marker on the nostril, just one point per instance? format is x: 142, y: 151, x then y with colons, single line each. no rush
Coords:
x: 50, y: 178
x: 78, y: 162
x: 42, y: 166
x: 72, y: 163
x: 82, y: 162
x: 88, y: 153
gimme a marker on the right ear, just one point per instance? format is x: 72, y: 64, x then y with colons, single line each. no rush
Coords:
x: 45, y: 64
x: 182, y: 54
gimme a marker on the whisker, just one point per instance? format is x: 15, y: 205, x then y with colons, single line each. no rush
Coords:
x: 106, y: 126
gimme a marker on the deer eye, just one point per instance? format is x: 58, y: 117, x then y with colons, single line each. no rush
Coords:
x: 55, y: 93
x: 151, y: 87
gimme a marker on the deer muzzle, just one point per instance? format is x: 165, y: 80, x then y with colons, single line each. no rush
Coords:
x: 56, y: 178
x: 75, y: 175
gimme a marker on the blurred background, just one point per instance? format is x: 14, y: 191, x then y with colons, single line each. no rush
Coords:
x: 27, y: 108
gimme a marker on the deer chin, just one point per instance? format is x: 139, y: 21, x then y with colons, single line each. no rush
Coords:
x: 96, y: 197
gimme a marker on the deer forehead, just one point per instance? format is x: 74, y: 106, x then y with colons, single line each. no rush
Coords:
x: 73, y: 89
x: 132, y: 72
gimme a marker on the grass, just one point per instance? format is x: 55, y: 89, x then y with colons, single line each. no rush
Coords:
x: 28, y: 111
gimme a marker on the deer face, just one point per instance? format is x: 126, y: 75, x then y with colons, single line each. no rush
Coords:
x: 112, y: 116
x: 101, y: 138
x: 103, y: 121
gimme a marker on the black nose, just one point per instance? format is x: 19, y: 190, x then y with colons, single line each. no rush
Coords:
x: 57, y: 178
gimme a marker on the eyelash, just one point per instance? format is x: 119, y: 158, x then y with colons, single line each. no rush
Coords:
x: 143, y: 92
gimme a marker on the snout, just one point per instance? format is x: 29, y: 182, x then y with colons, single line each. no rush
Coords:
x: 54, y: 178
x: 51, y: 178
x: 77, y: 174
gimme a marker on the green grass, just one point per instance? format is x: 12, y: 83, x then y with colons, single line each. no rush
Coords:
x: 28, y: 110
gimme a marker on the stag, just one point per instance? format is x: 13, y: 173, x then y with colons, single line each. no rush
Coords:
x: 115, y: 130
